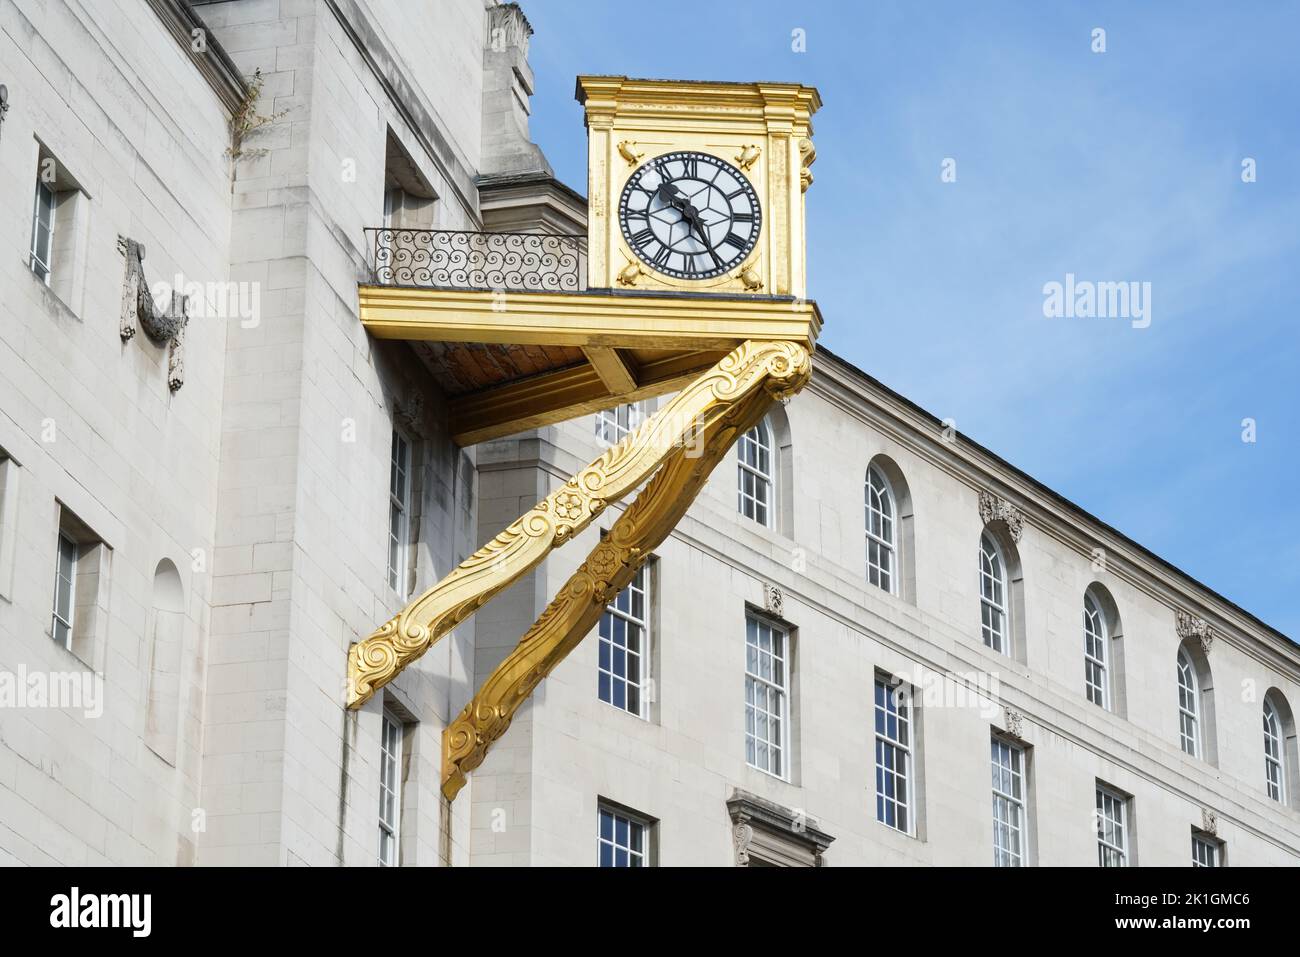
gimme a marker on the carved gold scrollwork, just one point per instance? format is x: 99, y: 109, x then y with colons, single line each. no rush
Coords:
x: 611, y: 566
x: 776, y: 369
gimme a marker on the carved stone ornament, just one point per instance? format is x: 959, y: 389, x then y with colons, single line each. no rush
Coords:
x: 774, y: 834
x: 1189, y: 626
x: 508, y: 28
x: 1209, y: 822
x: 138, y: 306
x: 1013, y: 723
x: 742, y: 835
x: 774, y: 601
x: 409, y: 413
x: 994, y: 509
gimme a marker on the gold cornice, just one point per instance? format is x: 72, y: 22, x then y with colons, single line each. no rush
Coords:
x: 627, y: 321
x: 683, y: 102
x: 683, y: 335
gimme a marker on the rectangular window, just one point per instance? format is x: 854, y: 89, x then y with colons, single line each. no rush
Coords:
x: 624, y: 648
x: 43, y: 232
x: 1112, y: 828
x: 894, y: 802
x: 1205, y: 851
x: 1008, y: 804
x: 390, y: 790
x: 65, y: 576
x: 399, y: 494
x: 79, y: 611
x: 614, y: 425
x: 622, y: 839
x: 60, y: 236
x: 767, y: 695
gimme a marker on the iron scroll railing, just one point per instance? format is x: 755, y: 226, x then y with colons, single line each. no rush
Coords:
x: 459, y: 259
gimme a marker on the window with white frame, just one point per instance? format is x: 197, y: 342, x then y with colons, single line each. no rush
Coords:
x: 882, y: 546
x: 1008, y: 804
x: 993, y: 595
x: 755, y: 475
x: 895, y: 801
x: 1112, y: 828
x: 622, y: 838
x: 1274, y: 767
x: 390, y: 790
x: 43, y: 232
x: 1095, y: 676
x: 65, y: 576
x: 767, y: 695
x: 399, y: 507
x: 614, y: 425
x: 1205, y: 851
x: 1189, y: 726
x: 624, y: 648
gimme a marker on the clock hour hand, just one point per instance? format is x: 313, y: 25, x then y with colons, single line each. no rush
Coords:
x: 670, y: 195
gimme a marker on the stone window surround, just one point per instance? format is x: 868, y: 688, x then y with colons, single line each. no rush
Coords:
x: 766, y: 833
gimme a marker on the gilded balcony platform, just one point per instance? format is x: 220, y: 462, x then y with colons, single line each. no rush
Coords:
x: 513, y: 337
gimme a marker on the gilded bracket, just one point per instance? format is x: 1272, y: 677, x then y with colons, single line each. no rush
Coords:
x: 771, y: 369
x: 612, y: 564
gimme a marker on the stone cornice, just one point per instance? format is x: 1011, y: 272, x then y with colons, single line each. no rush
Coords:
x: 213, y: 62
x: 852, y: 390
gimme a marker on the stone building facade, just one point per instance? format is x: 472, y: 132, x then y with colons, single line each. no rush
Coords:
x: 207, y: 507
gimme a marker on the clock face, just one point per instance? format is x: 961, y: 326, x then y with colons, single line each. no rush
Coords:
x: 690, y: 215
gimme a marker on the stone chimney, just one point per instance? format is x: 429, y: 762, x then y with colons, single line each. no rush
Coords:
x: 507, y: 87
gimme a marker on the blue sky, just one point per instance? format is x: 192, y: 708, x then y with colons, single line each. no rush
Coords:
x: 1117, y: 166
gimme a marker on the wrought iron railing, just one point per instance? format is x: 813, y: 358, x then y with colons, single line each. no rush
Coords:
x: 457, y: 259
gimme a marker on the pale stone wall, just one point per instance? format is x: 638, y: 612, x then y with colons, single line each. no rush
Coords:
x: 310, y: 438
x: 92, y: 424
x: 270, y: 465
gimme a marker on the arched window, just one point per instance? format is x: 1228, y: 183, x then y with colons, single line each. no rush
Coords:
x: 1274, y: 762
x: 1189, y: 723
x: 1096, y: 673
x: 755, y: 475
x: 882, y: 531
x: 993, y: 596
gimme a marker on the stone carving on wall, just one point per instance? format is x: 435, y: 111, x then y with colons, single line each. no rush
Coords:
x: 1190, y: 626
x: 508, y: 28
x: 773, y: 834
x: 138, y: 306
x: 4, y: 103
x: 995, y: 509
x: 1209, y: 822
x: 742, y: 835
x: 774, y: 601
x: 1013, y: 723
x: 409, y: 413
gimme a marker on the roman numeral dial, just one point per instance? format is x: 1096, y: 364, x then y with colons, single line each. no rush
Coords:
x: 690, y: 215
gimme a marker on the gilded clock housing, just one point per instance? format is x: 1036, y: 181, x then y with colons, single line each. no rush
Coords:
x: 760, y: 134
